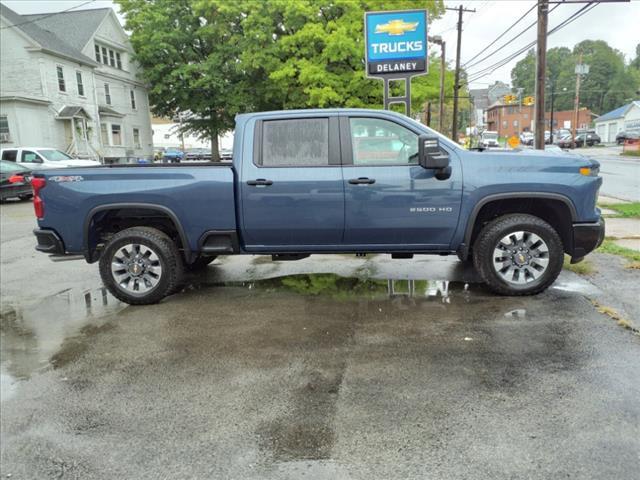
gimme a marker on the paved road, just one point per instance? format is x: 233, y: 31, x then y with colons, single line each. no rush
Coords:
x: 621, y: 174
x: 391, y: 370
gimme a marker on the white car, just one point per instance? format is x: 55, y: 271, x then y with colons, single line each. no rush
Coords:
x: 489, y: 139
x: 39, y: 158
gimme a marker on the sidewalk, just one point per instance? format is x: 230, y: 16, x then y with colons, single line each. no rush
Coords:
x: 625, y: 231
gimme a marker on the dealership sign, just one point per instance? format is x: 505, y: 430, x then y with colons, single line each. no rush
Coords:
x: 396, y: 43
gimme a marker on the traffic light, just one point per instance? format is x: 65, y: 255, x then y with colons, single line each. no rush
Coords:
x: 510, y: 99
x: 528, y: 101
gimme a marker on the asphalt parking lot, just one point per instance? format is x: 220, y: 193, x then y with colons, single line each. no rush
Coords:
x: 332, y: 367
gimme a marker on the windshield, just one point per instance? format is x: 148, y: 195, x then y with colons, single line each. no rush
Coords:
x: 10, y: 167
x: 490, y: 136
x: 54, y: 155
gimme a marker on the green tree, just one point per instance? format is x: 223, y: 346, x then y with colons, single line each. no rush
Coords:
x: 635, y: 63
x: 216, y: 58
x: 608, y: 84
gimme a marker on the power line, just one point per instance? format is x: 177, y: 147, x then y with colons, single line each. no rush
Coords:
x: 492, y: 68
x: 501, y: 35
x: 48, y: 15
x: 510, y: 40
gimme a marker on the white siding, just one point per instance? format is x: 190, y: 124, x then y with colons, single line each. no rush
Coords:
x: 19, y: 74
x: 121, y: 82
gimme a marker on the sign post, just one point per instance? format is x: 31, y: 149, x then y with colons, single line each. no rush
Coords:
x: 396, y: 49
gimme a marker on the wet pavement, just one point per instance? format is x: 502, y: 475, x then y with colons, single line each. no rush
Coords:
x: 332, y: 367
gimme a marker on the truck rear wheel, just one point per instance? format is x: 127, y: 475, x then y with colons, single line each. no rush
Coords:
x: 518, y: 254
x: 141, y: 265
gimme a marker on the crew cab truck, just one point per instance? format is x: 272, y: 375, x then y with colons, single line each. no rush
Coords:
x: 325, y: 181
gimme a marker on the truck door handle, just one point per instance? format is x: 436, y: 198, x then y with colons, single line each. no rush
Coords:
x: 362, y: 181
x: 260, y: 182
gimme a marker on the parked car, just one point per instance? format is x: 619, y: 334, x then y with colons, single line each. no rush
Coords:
x: 198, y: 154
x: 565, y: 141
x: 513, y: 214
x: 589, y: 139
x: 226, y: 155
x: 527, y: 138
x: 621, y: 137
x: 40, y: 158
x: 158, y: 154
x: 488, y: 139
x: 172, y: 155
x: 14, y: 181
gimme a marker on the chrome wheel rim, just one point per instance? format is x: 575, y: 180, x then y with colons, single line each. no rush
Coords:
x: 136, y: 268
x: 520, y: 258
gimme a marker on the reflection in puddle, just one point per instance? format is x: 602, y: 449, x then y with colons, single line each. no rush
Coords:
x: 339, y: 287
x: 34, y: 337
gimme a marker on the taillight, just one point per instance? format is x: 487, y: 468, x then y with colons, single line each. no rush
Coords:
x: 16, y: 179
x: 38, y: 183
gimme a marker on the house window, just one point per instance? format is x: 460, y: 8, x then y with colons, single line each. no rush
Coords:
x: 132, y: 94
x: 61, y: 86
x: 112, y: 59
x: 505, y: 124
x: 80, y: 85
x: 118, y: 61
x: 104, y: 133
x: 98, y: 59
x: 104, y: 56
x: 515, y: 123
x: 107, y: 94
x: 4, y: 129
x: 116, y: 134
x: 167, y: 136
x: 136, y: 138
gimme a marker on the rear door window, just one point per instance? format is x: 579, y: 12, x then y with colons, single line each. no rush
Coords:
x: 9, y: 155
x: 300, y: 142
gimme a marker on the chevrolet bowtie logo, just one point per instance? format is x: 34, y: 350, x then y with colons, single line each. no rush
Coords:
x: 397, y: 27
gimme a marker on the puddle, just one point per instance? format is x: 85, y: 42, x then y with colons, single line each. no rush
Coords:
x: 42, y: 335
x: 345, y: 288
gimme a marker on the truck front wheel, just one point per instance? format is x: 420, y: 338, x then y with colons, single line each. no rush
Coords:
x: 518, y: 254
x: 141, y: 265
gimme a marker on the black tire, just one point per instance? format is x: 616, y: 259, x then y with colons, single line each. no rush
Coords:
x: 169, y: 259
x: 491, y: 235
x: 200, y: 263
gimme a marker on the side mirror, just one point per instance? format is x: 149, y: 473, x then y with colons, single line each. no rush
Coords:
x: 430, y: 155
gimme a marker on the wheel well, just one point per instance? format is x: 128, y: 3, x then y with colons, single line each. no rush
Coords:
x: 555, y: 212
x: 102, y: 225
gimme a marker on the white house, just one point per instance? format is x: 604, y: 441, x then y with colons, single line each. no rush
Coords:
x: 625, y: 118
x: 68, y: 81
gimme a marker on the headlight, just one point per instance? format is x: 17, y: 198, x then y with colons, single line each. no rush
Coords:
x: 589, y: 171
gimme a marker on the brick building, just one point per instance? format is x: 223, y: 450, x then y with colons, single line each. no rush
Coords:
x: 510, y: 120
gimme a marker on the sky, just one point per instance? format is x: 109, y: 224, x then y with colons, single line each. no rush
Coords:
x: 616, y: 23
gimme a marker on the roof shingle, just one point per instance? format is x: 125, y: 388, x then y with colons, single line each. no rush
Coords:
x: 47, y: 39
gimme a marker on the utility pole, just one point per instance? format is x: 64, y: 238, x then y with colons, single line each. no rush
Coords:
x: 428, y: 114
x: 541, y: 67
x: 443, y: 69
x: 520, y: 90
x: 456, y: 86
x: 553, y: 95
x: 580, y: 70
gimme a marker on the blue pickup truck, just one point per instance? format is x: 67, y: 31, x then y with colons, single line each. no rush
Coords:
x: 325, y: 181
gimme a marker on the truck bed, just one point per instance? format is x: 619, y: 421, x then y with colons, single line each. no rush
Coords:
x: 201, y: 196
